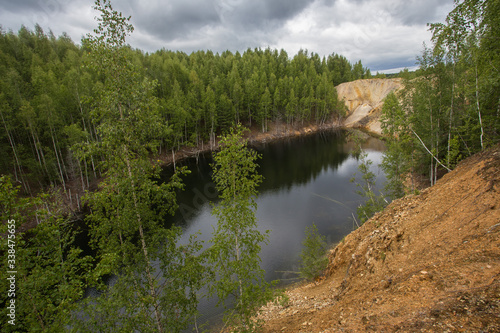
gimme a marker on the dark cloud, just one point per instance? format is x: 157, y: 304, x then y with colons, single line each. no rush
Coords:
x: 49, y: 8
x: 285, y: 9
x: 261, y: 13
x: 177, y: 19
x: 395, y: 62
x: 174, y: 19
x: 417, y: 12
x: 216, y: 24
x: 18, y: 6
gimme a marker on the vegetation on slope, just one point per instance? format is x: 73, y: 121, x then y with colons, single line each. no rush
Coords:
x: 451, y: 108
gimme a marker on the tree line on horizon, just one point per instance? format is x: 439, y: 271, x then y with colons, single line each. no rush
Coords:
x: 47, y: 88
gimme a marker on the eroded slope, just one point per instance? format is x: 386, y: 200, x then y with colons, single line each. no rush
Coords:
x: 429, y: 262
x: 364, y: 100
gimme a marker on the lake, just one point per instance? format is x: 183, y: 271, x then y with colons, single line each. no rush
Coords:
x: 306, y: 181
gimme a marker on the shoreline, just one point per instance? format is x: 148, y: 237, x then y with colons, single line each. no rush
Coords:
x: 377, y: 271
x: 70, y: 197
x: 253, y: 136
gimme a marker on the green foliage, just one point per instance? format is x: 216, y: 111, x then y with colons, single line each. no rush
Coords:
x: 313, y: 256
x: 455, y: 154
x: 122, y: 106
x: 382, y: 255
x: 283, y: 300
x: 11, y: 205
x: 449, y: 107
x: 236, y: 241
x: 47, y: 99
x: 156, y: 278
x: 373, y: 202
x: 397, y: 161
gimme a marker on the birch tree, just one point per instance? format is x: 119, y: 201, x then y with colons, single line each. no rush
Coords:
x: 156, y: 279
x: 236, y: 240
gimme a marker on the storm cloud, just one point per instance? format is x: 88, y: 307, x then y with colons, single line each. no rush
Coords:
x: 383, y: 34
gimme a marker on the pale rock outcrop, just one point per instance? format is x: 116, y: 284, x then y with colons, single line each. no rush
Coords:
x: 364, y: 100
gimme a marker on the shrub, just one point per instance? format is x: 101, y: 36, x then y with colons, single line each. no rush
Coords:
x: 313, y: 255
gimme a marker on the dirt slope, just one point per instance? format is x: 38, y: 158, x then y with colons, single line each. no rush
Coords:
x: 364, y: 100
x: 427, y: 263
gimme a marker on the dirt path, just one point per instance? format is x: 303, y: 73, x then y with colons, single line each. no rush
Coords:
x: 427, y: 263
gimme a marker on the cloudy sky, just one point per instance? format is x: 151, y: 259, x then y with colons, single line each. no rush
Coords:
x: 383, y: 34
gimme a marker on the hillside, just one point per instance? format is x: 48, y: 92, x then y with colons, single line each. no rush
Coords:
x: 364, y: 100
x: 428, y: 262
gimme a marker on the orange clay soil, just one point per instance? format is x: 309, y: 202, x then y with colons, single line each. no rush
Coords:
x: 427, y: 263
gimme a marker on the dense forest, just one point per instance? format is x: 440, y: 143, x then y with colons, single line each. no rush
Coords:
x: 48, y: 84
x: 102, y: 110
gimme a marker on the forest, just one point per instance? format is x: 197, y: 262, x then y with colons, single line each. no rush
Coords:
x: 97, y: 115
x: 449, y: 108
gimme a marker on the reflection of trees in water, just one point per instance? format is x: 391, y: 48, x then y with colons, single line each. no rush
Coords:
x: 370, y: 143
x: 285, y: 163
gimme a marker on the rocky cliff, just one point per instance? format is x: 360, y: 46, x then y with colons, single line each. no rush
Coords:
x: 427, y: 263
x: 364, y: 100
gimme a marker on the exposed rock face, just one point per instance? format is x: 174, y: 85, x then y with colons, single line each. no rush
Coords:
x: 364, y: 100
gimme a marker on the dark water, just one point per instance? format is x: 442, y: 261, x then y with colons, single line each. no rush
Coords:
x: 306, y: 181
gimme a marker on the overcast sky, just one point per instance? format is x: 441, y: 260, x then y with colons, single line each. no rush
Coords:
x: 383, y: 34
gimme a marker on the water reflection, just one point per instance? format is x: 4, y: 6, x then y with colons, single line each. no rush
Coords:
x: 306, y: 181
x: 297, y: 161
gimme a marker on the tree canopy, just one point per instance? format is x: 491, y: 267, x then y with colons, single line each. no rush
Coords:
x: 450, y: 108
x: 46, y: 94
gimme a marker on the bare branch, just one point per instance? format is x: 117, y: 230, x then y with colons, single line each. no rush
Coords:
x: 423, y: 144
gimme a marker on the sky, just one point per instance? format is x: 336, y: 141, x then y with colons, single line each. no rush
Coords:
x: 386, y: 35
